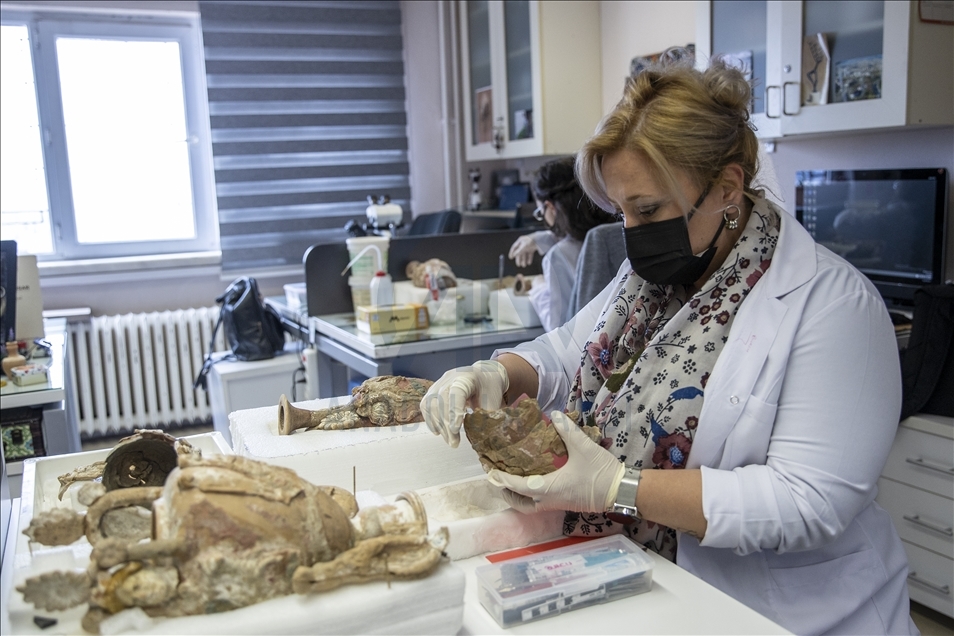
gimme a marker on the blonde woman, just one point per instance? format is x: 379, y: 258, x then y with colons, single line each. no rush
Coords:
x: 745, y: 379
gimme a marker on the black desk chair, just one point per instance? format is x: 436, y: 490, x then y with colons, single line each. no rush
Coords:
x: 446, y: 222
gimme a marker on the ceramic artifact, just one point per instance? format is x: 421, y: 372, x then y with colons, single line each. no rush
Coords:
x: 386, y: 400
x: 523, y: 284
x: 56, y: 591
x: 144, y: 458
x: 437, y: 269
x: 229, y: 532
x: 518, y: 439
x: 58, y: 526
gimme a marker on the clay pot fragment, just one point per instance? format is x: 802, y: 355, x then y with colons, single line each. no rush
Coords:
x: 518, y: 439
x: 386, y: 400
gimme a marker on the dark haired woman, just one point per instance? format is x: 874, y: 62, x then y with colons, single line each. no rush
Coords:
x: 568, y: 214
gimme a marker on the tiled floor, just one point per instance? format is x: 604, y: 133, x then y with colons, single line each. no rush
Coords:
x: 930, y: 622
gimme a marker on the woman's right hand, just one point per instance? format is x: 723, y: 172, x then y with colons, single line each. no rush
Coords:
x: 481, y: 385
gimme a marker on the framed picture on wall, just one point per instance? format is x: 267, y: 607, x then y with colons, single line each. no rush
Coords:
x: 484, y: 105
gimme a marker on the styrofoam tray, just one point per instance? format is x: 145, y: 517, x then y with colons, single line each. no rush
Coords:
x: 480, y: 520
x: 385, y: 459
x: 506, y: 307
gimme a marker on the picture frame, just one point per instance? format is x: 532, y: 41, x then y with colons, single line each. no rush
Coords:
x: 484, y: 110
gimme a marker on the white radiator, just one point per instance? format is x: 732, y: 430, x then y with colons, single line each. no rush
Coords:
x: 136, y: 370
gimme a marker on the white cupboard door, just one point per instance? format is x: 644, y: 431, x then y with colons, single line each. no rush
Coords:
x: 501, y: 78
x: 744, y: 32
x: 867, y: 74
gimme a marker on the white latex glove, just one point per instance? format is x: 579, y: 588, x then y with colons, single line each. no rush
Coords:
x: 588, y: 482
x: 523, y: 249
x: 482, y: 385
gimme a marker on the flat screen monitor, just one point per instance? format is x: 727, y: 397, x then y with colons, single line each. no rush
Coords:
x: 890, y: 224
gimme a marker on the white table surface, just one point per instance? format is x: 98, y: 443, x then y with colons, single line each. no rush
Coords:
x: 679, y: 603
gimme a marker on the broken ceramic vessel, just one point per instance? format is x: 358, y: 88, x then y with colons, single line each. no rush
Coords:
x: 144, y: 458
x: 436, y: 269
x: 518, y: 439
x: 386, y: 400
x: 229, y: 532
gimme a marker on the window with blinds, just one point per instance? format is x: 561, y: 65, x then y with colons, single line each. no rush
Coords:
x: 307, y: 109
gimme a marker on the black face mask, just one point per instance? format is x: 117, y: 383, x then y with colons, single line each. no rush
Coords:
x: 661, y: 253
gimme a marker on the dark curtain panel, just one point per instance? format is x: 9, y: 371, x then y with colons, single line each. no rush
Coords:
x: 306, y: 101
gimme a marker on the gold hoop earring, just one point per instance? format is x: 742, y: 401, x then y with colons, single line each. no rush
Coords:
x: 732, y: 223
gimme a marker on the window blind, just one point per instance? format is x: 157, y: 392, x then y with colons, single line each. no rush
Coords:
x: 307, y: 111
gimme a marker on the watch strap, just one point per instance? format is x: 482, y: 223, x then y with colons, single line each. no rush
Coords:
x: 625, y: 503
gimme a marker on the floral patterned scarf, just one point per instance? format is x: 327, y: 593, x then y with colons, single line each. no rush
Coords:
x: 644, y: 369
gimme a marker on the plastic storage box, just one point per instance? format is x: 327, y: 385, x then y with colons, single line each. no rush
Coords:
x: 556, y: 581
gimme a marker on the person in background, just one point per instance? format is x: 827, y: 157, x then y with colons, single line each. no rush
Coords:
x: 569, y: 215
x: 744, y: 378
x: 600, y: 258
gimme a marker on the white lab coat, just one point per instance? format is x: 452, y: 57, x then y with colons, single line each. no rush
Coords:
x: 552, y: 299
x: 799, y: 415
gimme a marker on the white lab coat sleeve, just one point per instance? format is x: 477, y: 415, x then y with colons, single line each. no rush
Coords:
x: 556, y: 355
x: 837, y: 413
x: 540, y: 300
x: 544, y: 240
x: 552, y: 299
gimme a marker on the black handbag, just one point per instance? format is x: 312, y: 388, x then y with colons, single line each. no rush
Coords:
x: 927, y: 366
x: 253, y: 330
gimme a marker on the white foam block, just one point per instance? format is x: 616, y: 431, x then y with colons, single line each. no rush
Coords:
x: 387, y: 459
x: 480, y: 520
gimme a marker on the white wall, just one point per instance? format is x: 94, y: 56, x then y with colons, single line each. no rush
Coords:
x: 425, y: 123
x: 639, y: 28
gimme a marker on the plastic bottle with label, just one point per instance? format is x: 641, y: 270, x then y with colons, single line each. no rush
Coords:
x: 382, y: 290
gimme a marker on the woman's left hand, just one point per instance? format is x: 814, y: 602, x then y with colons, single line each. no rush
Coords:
x: 588, y: 482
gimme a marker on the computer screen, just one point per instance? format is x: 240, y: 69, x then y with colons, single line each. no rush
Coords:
x: 890, y: 224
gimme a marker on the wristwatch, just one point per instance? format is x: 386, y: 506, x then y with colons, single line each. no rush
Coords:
x: 625, y: 503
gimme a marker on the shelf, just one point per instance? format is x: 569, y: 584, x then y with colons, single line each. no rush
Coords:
x: 861, y: 27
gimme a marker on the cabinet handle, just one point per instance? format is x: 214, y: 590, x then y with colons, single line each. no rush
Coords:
x: 768, y: 101
x: 498, y: 140
x: 923, y: 463
x: 943, y: 589
x: 785, y: 98
x: 917, y: 520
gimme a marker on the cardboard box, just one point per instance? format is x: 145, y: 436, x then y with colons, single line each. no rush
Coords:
x: 391, y: 318
x: 29, y: 374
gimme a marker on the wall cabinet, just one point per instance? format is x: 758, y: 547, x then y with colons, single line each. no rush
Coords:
x: 530, y: 76
x: 916, y: 82
x: 917, y: 489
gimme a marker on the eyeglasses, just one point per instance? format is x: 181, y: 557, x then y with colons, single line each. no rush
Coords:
x: 538, y: 213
